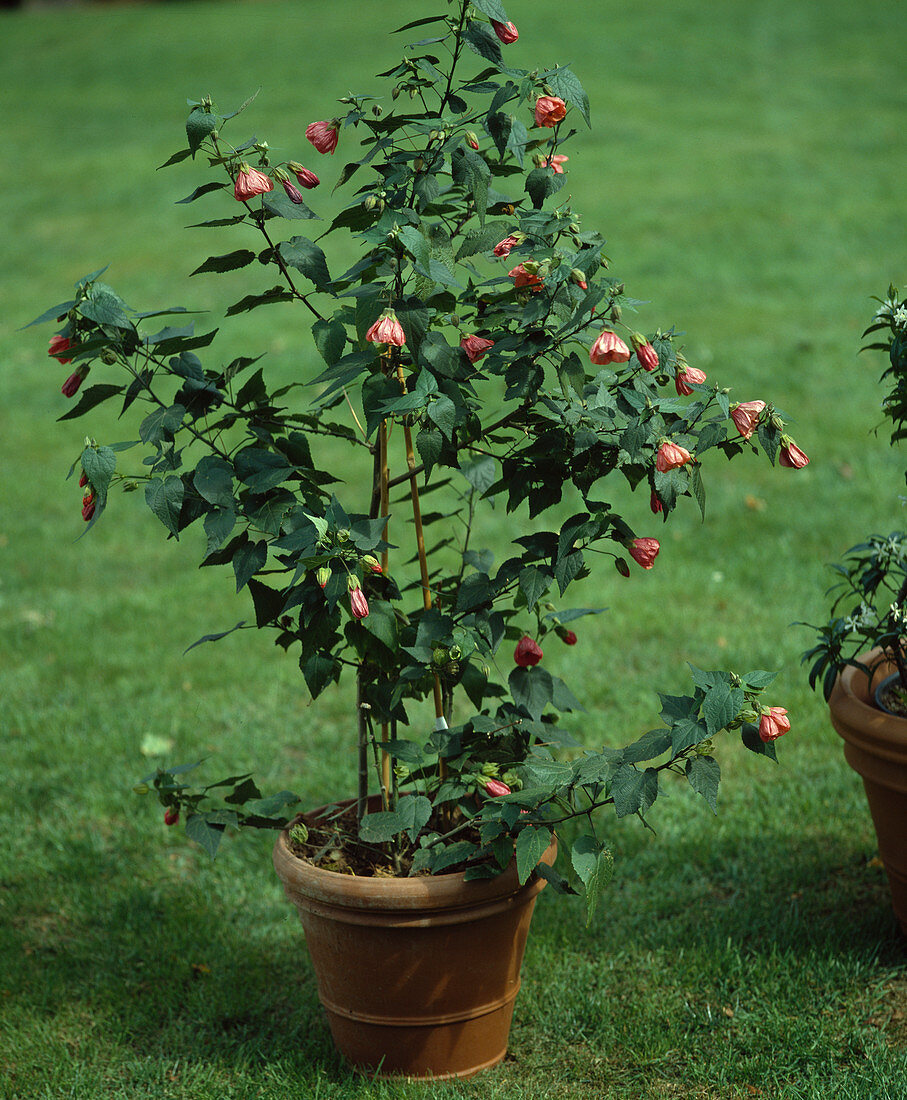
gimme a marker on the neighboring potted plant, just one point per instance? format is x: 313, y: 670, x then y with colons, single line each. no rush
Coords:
x: 476, y: 350
x: 861, y: 658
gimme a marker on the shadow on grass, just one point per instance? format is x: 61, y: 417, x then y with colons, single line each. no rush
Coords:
x: 170, y: 958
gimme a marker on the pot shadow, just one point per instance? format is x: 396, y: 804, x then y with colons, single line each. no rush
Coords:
x: 183, y: 968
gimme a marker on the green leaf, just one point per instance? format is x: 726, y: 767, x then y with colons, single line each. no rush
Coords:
x: 330, y: 339
x: 414, y: 811
x: 720, y: 707
x: 204, y: 833
x: 219, y: 524
x: 307, y: 257
x: 165, y: 499
x: 482, y: 40
x: 542, y: 182
x: 531, y: 688
x: 213, y: 480
x: 199, y: 125
x: 704, y: 774
x: 205, y: 189
x: 247, y: 560
x: 530, y: 847
x: 380, y: 827
x: 161, y: 425
x: 471, y: 172
x: 99, y: 464
x: 479, y: 472
x: 533, y: 584
x: 685, y: 733
x: 106, y: 307
x: 91, y: 397
x: 230, y: 261
x: 319, y: 670
x: 280, y: 206
x: 594, y: 865
x: 565, y: 84
x: 429, y: 443
x: 494, y: 9
x: 633, y: 791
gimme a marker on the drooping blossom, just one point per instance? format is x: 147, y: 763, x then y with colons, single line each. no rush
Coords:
x: 495, y: 787
x: 609, y: 348
x: 475, y: 347
x: 387, y: 330
x: 655, y: 503
x: 687, y: 377
x: 358, y: 603
x: 568, y: 637
x: 791, y: 455
x: 72, y: 383
x: 528, y: 652
x: 88, y: 505
x: 323, y: 135
x: 644, y: 551
x: 293, y: 192
x: 250, y: 182
x: 304, y: 177
x: 171, y: 815
x: 645, y: 353
x: 671, y: 456
x: 555, y: 162
x: 507, y: 32
x: 502, y: 248
x: 549, y: 110
x: 522, y: 275
x: 83, y: 480
x: 773, y: 724
x: 746, y: 416
x: 59, y: 344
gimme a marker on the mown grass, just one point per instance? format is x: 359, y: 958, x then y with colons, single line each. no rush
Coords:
x: 747, y: 168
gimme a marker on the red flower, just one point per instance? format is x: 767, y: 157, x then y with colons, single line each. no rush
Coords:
x: 495, y: 788
x: 773, y: 723
x: 746, y: 416
x: 528, y: 652
x: 475, y: 347
x: 72, y: 383
x: 655, y: 503
x: 524, y: 276
x: 358, y: 603
x: 305, y: 178
x: 387, y: 330
x: 88, y: 503
x: 172, y: 815
x: 791, y: 455
x: 568, y: 637
x: 502, y: 248
x: 609, y: 348
x: 670, y: 456
x: 644, y: 551
x: 59, y: 344
x: 686, y: 377
x: 507, y: 32
x: 83, y: 480
x: 645, y: 353
x: 250, y: 182
x: 554, y: 163
x: 323, y: 135
x: 549, y: 110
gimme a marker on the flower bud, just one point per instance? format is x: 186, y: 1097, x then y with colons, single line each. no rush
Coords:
x: 791, y: 455
x: 58, y: 345
x: 322, y: 575
x: 141, y: 788
x: 371, y: 563
x: 506, y: 32
x: 471, y: 140
x: 579, y: 277
x: 621, y: 565
x: 495, y: 788
x: 171, y: 815
x: 358, y: 603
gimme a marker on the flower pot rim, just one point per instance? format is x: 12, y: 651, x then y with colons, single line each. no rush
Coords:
x: 428, y: 892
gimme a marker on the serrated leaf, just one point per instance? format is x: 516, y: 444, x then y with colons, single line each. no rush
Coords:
x: 633, y: 790
x: 704, y: 775
x: 165, y: 498
x: 307, y: 257
x: 530, y: 847
x: 566, y: 85
x: 230, y: 261
x: 199, y: 125
x: 213, y: 480
x: 247, y: 560
x: 205, y: 833
x: 91, y: 397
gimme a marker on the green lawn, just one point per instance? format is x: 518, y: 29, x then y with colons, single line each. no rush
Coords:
x: 747, y: 166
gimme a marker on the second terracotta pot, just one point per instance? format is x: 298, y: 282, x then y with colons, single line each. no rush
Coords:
x: 875, y: 746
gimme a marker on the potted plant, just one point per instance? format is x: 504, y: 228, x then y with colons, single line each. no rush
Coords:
x: 476, y: 367
x: 861, y: 657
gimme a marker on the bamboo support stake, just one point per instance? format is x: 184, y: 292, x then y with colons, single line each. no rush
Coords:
x: 384, y: 509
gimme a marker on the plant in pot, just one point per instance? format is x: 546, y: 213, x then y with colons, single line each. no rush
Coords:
x: 861, y: 657
x: 478, y: 380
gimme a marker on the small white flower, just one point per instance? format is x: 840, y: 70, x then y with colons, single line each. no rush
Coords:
x: 900, y: 317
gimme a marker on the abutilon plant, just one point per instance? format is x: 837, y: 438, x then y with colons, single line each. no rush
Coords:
x: 476, y: 351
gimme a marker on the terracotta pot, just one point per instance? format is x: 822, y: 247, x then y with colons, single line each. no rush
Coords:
x: 875, y: 746
x: 418, y: 976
